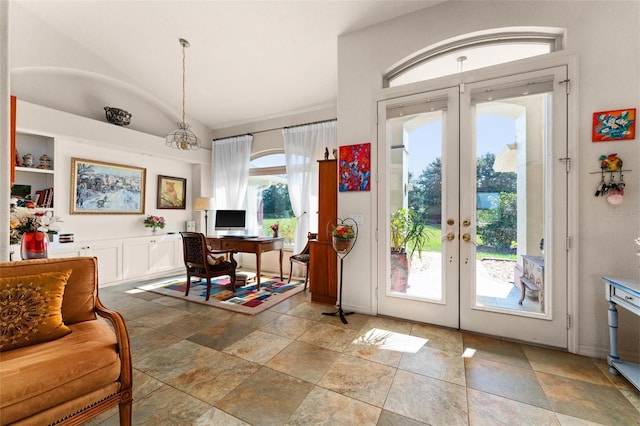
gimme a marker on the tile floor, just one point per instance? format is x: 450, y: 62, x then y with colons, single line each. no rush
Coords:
x: 198, y: 365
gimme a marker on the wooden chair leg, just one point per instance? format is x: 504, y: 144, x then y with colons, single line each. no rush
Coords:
x: 208, y: 288
x: 306, y: 276
x: 186, y: 292
x: 290, y: 270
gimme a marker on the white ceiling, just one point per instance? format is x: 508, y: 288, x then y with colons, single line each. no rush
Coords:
x: 248, y: 60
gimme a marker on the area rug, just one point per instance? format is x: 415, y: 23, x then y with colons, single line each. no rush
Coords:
x: 246, y: 299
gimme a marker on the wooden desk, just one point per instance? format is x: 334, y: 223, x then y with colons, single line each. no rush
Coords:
x: 624, y: 293
x: 249, y: 245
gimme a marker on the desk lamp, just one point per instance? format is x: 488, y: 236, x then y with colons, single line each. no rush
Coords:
x: 204, y: 204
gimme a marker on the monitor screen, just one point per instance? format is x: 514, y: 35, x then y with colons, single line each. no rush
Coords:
x: 230, y: 220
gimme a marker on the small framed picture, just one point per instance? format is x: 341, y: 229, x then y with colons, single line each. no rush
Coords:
x: 106, y: 188
x: 614, y: 125
x: 172, y: 192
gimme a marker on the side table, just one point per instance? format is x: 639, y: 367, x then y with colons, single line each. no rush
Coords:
x: 624, y: 293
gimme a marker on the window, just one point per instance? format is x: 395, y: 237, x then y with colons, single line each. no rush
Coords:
x: 268, y: 197
x: 470, y: 53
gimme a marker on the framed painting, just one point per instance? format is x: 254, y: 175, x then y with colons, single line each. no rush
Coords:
x: 172, y: 192
x: 614, y: 125
x: 354, y: 167
x: 106, y: 188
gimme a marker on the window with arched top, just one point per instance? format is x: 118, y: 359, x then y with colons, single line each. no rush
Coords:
x: 268, y: 196
x: 473, y: 52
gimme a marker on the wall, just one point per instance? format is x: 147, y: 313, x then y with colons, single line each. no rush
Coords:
x: 84, y: 138
x: 602, y: 38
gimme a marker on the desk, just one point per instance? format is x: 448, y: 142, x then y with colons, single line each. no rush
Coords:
x: 625, y: 293
x: 249, y: 245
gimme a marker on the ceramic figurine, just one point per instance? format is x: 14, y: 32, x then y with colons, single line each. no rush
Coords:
x: 610, y: 163
x: 27, y: 160
x: 45, y: 162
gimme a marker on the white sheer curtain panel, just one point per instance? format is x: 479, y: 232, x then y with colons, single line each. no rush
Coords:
x: 230, y: 171
x: 303, y: 147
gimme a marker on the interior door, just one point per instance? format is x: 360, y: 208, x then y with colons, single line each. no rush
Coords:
x: 477, y: 167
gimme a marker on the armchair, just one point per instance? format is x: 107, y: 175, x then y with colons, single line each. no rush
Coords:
x: 202, y: 263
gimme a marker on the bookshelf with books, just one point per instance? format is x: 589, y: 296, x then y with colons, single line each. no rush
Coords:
x: 34, y: 170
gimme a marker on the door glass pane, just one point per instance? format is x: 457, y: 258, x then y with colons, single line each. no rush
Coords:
x: 416, y: 205
x: 510, y: 203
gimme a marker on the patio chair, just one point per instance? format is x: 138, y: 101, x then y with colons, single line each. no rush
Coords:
x: 204, y: 263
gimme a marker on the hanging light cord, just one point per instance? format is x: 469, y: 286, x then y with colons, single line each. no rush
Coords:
x: 184, y: 43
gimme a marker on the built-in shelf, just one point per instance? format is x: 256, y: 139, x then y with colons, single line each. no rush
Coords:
x: 33, y: 170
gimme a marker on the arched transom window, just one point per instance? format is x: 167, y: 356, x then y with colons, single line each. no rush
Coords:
x: 474, y: 51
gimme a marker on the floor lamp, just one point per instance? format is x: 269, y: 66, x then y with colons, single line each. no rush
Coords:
x: 204, y: 204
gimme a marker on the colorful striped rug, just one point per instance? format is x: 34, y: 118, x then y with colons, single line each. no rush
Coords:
x: 246, y: 299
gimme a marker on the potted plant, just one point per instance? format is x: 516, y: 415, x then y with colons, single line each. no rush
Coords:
x: 408, y: 235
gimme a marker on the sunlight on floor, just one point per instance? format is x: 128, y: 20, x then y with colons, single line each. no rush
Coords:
x: 391, y: 341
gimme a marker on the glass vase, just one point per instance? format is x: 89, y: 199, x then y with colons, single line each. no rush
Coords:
x: 34, y: 245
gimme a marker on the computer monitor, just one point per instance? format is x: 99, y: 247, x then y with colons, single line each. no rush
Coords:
x: 230, y: 220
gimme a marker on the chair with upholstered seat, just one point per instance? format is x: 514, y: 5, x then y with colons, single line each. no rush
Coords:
x: 204, y: 263
x: 302, y: 258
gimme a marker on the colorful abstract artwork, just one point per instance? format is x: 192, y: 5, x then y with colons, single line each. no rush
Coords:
x: 354, y: 167
x: 614, y: 125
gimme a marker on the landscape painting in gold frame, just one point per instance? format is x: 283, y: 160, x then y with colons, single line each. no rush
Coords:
x: 106, y: 188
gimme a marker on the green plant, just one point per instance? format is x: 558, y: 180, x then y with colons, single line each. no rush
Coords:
x: 408, y: 233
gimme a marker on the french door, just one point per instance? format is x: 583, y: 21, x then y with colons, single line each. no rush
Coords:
x: 475, y: 170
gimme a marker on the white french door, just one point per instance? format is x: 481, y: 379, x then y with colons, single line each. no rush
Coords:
x: 476, y: 168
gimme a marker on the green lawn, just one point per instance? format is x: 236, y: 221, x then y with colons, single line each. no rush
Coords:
x: 435, y: 244
x: 287, y: 228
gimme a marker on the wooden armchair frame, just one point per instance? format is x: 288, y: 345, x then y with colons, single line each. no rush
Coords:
x: 195, y: 260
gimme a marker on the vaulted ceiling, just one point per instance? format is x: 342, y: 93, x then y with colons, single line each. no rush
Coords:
x: 248, y: 60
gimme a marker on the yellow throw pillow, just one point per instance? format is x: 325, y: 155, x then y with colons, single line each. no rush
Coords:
x: 31, y: 309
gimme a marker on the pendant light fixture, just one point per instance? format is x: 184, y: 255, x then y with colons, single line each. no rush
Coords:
x: 183, y: 138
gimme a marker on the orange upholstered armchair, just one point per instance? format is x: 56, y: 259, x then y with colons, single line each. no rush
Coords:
x: 64, y: 357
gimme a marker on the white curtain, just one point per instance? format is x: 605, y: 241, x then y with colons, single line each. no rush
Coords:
x: 230, y: 171
x: 303, y: 147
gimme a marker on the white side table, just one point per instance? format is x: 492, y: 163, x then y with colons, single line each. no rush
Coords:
x: 625, y: 293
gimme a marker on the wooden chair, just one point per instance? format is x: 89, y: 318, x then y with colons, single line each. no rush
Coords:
x: 196, y: 253
x: 303, y: 259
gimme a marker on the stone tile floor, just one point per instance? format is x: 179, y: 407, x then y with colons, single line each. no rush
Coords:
x: 290, y: 365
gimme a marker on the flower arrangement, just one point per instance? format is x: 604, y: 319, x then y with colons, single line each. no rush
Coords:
x: 154, y: 222
x: 275, y: 227
x: 344, y: 232
x: 23, y: 220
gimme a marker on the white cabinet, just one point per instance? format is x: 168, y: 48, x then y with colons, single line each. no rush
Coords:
x: 108, y: 252
x: 128, y: 258
x: 151, y: 255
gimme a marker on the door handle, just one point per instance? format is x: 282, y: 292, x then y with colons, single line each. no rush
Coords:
x: 467, y: 238
x: 467, y: 222
x: 449, y: 237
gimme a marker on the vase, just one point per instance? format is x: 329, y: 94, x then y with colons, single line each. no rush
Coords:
x: 34, y: 245
x: 342, y: 245
x: 275, y: 234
